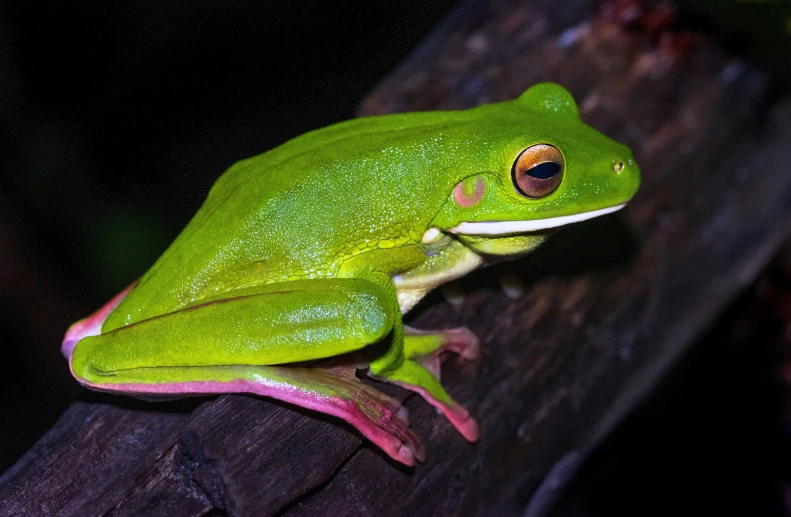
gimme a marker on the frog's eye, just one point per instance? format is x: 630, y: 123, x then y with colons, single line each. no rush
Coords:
x: 537, y: 171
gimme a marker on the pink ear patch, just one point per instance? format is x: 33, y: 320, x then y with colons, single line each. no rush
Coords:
x: 469, y: 191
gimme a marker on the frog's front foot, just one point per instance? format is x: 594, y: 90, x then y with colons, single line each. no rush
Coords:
x: 427, y: 346
x: 420, y: 371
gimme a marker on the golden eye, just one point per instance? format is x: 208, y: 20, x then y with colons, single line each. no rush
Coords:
x: 537, y: 171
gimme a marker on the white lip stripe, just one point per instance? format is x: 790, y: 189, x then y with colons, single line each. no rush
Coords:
x: 503, y: 227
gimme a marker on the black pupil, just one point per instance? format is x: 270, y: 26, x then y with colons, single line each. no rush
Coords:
x: 544, y: 170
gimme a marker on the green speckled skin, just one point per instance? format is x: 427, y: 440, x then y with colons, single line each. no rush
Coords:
x: 303, y: 209
x: 294, y: 253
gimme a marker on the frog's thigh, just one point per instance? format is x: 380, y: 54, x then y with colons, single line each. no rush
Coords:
x: 266, y: 325
x: 224, y: 347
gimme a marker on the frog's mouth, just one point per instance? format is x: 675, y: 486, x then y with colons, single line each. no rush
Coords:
x: 505, y: 227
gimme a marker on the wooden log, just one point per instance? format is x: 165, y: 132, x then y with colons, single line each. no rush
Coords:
x: 609, y: 304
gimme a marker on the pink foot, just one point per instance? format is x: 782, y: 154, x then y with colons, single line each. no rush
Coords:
x: 385, y: 427
x: 460, y: 340
x: 454, y: 412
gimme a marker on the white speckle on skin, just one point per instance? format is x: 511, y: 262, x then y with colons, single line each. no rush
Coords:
x: 431, y: 235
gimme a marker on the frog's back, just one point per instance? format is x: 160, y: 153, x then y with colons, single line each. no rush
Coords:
x: 291, y: 212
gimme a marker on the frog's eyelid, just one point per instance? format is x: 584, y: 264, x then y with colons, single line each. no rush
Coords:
x: 504, y: 227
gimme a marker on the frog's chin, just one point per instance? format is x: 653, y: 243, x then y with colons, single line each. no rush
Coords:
x: 534, y: 225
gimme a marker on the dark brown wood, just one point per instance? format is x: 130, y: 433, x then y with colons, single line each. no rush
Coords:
x: 609, y: 305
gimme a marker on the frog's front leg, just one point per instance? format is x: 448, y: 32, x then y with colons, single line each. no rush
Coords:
x: 249, y: 342
x: 420, y: 371
x: 413, y: 356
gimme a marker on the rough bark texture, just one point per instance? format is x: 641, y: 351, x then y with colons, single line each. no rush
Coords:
x: 608, y: 304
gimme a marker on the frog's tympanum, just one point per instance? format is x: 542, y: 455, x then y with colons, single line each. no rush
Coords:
x: 298, y: 267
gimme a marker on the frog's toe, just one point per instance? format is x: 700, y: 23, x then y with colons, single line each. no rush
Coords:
x: 462, y: 421
x: 386, y: 426
x: 453, y: 411
x: 403, y: 415
x: 403, y: 454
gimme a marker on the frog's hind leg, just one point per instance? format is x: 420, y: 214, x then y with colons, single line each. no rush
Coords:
x: 381, y: 419
x: 251, y: 342
x: 420, y: 371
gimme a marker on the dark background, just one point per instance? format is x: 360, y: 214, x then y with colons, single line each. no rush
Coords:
x: 115, y: 121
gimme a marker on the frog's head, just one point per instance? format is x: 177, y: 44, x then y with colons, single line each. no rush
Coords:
x: 539, y: 167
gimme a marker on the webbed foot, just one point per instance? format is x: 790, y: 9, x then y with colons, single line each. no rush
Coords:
x: 420, y: 371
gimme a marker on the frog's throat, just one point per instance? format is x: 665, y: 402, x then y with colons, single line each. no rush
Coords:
x: 505, y: 227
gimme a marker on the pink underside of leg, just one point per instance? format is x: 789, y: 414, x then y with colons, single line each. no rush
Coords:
x: 345, y: 409
x: 458, y: 416
x: 92, y: 325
